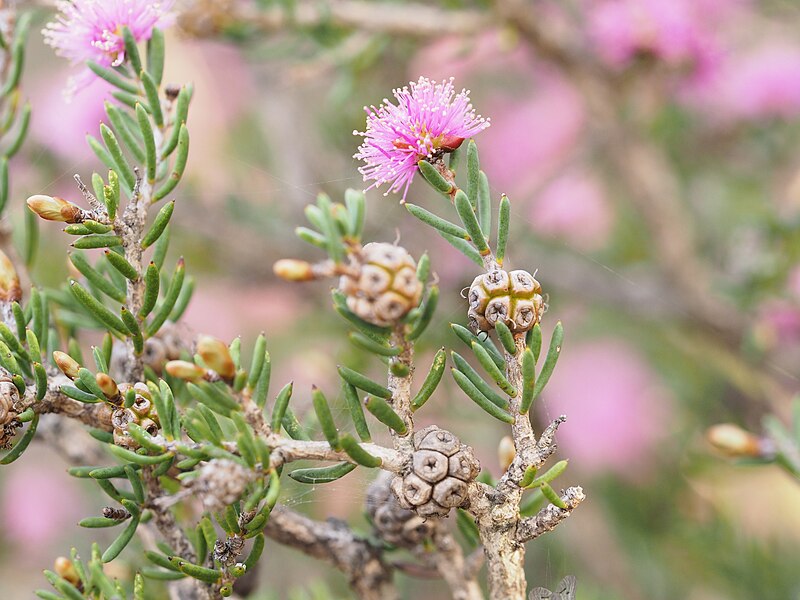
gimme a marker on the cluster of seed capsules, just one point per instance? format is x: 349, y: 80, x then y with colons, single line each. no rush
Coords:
x: 140, y: 409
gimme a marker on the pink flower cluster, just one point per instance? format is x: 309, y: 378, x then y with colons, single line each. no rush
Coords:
x: 91, y: 30
x: 428, y: 118
x: 674, y: 31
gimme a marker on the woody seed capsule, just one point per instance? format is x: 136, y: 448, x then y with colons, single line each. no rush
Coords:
x: 515, y: 298
x: 383, y: 285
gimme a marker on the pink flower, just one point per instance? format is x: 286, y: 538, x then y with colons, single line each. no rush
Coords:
x: 673, y: 31
x: 575, y: 208
x: 91, y: 30
x: 617, y: 410
x: 428, y: 120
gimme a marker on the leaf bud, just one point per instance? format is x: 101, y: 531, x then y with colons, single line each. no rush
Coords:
x: 294, y: 270
x: 10, y: 290
x: 735, y: 442
x: 53, y: 208
x: 68, y: 365
x: 108, y: 385
x: 506, y: 452
x: 216, y: 356
x: 185, y: 370
x: 66, y: 570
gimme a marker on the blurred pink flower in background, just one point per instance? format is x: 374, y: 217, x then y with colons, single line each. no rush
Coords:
x: 61, y: 126
x: 573, y: 207
x: 677, y: 32
x: 618, y: 411
x: 762, y: 84
x: 37, y: 505
x: 531, y: 135
x: 777, y: 324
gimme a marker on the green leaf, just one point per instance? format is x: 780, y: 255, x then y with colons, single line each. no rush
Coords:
x: 550, y: 360
x: 151, y: 91
x: 533, y: 339
x: 492, y: 370
x: 178, y: 166
x: 506, y: 337
x: 467, y: 215
x: 464, y: 247
x: 357, y: 453
x: 167, y: 304
x: 146, y: 129
x: 119, y: 263
x: 119, y: 162
x: 466, y: 336
x: 356, y: 412
x: 281, y: 405
x: 434, y: 177
x: 96, y: 308
x: 155, y: 55
x: 113, y: 78
x: 325, y: 417
x: 95, y: 277
x: 473, y: 174
x: 91, y: 242
x: 528, y: 380
x: 131, y: 50
x: 503, y: 222
x: 476, y: 380
x: 118, y: 545
x: 432, y: 380
x: 381, y: 410
x: 159, y: 224
x: 181, y: 114
x: 364, y: 383
x: 322, y: 474
x: 426, y: 315
x: 475, y: 395
x: 22, y: 444
x: 484, y: 204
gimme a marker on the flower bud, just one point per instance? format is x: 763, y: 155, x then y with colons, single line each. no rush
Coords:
x: 10, y: 290
x: 68, y: 365
x: 64, y: 568
x: 216, y: 356
x: 185, y: 370
x: 733, y: 441
x: 293, y: 270
x: 506, y: 452
x: 53, y: 208
x: 108, y: 385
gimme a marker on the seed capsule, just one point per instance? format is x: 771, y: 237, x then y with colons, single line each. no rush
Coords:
x: 383, y: 285
x: 515, y: 298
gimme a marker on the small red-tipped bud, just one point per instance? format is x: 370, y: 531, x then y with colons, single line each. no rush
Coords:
x: 506, y: 452
x: 294, y: 270
x: 734, y: 441
x: 450, y: 143
x: 68, y: 365
x: 10, y: 291
x: 64, y: 568
x: 184, y: 370
x: 108, y: 385
x: 53, y: 208
x: 216, y: 356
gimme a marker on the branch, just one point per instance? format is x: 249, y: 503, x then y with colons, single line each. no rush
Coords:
x: 203, y: 18
x: 334, y: 542
x: 549, y: 517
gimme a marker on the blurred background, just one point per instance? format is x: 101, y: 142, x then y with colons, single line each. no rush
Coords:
x: 651, y: 151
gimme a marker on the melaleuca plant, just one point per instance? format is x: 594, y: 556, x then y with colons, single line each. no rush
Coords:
x: 197, y: 423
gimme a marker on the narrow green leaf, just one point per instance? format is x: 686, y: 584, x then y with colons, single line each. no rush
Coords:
x: 96, y: 308
x: 503, y: 222
x: 550, y: 360
x: 151, y: 91
x: 356, y: 412
x: 325, y: 418
x: 22, y: 444
x: 528, y: 380
x: 506, y: 337
x: 155, y: 55
x: 426, y: 315
x: 167, y: 304
x: 381, y: 410
x: 370, y: 345
x: 90, y: 242
x: 473, y: 173
x: 432, y: 380
x: 178, y: 166
x: 476, y: 380
x: 434, y: 177
x: 113, y: 78
x: 357, y: 453
x: 118, y: 545
x: 146, y: 129
x: 120, y: 163
x: 363, y: 383
x: 159, y: 224
x: 475, y: 395
x: 466, y: 336
x: 319, y: 475
x: 119, y: 262
x: 492, y: 370
x: 464, y: 247
x: 552, y: 496
x: 95, y: 277
x: 467, y: 215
